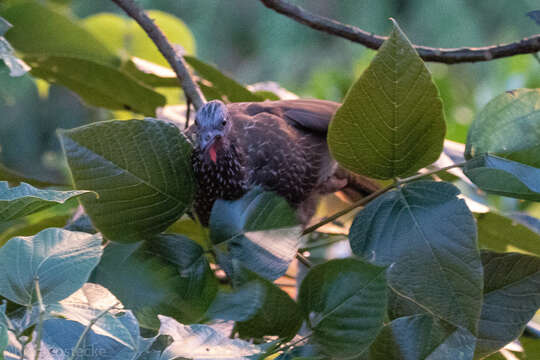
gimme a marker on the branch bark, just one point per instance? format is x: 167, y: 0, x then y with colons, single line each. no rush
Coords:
x: 528, y: 45
x: 176, y: 60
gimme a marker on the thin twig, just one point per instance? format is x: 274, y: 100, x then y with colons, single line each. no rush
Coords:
x: 377, y: 193
x: 87, y: 329
x: 528, y: 45
x: 175, y: 59
x: 301, y: 258
x: 41, y: 318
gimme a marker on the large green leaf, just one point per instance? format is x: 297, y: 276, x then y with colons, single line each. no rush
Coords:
x: 25, y: 199
x: 344, y: 303
x: 141, y: 170
x: 278, y: 316
x: 391, y: 122
x: 39, y: 30
x: 41, y: 180
x: 167, y: 274
x: 98, y: 84
x: 126, y: 38
x: 422, y: 337
x: 504, y: 177
x: 203, y: 342
x: 239, y: 305
x: 429, y: 237
x: 259, y: 231
x: 60, y: 259
x: 229, y: 89
x: 508, y: 126
x: 500, y: 233
x: 511, y: 298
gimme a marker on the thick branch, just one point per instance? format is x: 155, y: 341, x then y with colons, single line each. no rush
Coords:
x: 177, y: 62
x: 529, y: 45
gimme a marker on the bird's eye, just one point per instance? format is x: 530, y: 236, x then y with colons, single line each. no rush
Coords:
x: 224, y: 122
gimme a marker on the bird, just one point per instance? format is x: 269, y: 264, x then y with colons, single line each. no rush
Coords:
x: 279, y: 146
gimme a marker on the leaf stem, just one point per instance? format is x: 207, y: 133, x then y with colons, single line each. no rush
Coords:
x: 87, y: 329
x: 376, y: 194
x: 42, y: 311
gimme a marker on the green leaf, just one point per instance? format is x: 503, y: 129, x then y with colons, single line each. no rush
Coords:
x: 61, y: 260
x: 7, y: 174
x: 239, y: 305
x: 391, y: 123
x: 511, y: 298
x: 509, y: 127
x: 16, y: 202
x: 98, y: 84
x: 500, y: 176
x: 167, y: 274
x: 502, y: 234
x: 3, y: 329
x: 278, y: 316
x: 422, y: 337
x: 429, y: 237
x: 259, y: 231
x: 231, y: 90
x: 4, y: 26
x: 125, y: 36
x: 141, y: 170
x: 344, y: 303
x: 202, y: 342
x: 39, y: 30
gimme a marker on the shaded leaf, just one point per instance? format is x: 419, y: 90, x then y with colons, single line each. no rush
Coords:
x: 502, y: 234
x: 535, y: 15
x: 500, y: 176
x: 3, y: 329
x: 57, y: 36
x: 62, y: 261
x: 141, y: 170
x: 202, y: 342
x: 239, y: 305
x: 7, y: 174
x: 25, y: 199
x: 278, y: 316
x: 344, y: 303
x: 259, y: 231
x: 391, y: 123
x: 4, y: 26
x: 422, y: 337
x: 226, y: 86
x: 167, y: 274
x: 98, y: 84
x: 509, y: 127
x: 511, y: 298
x: 125, y: 37
x: 429, y: 237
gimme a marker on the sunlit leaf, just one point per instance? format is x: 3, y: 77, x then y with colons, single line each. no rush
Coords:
x: 239, y: 305
x: 141, y: 170
x: 98, y: 84
x: 428, y: 236
x: 59, y: 259
x: 25, y: 199
x: 391, y: 123
x: 202, y: 342
x: 344, y: 303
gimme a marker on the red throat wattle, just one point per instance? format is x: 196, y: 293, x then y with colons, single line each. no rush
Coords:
x: 212, y: 152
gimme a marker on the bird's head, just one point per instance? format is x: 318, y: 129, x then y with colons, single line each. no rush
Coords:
x: 213, y: 124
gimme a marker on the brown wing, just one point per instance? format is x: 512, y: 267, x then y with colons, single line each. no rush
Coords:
x: 310, y: 114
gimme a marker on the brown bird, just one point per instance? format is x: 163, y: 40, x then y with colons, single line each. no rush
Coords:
x: 278, y: 145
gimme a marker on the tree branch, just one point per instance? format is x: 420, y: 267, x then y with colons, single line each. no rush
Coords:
x: 528, y: 45
x: 177, y: 62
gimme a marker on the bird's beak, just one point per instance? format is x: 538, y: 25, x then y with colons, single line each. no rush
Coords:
x: 208, y: 139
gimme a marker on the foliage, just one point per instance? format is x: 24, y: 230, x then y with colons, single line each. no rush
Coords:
x: 153, y: 284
